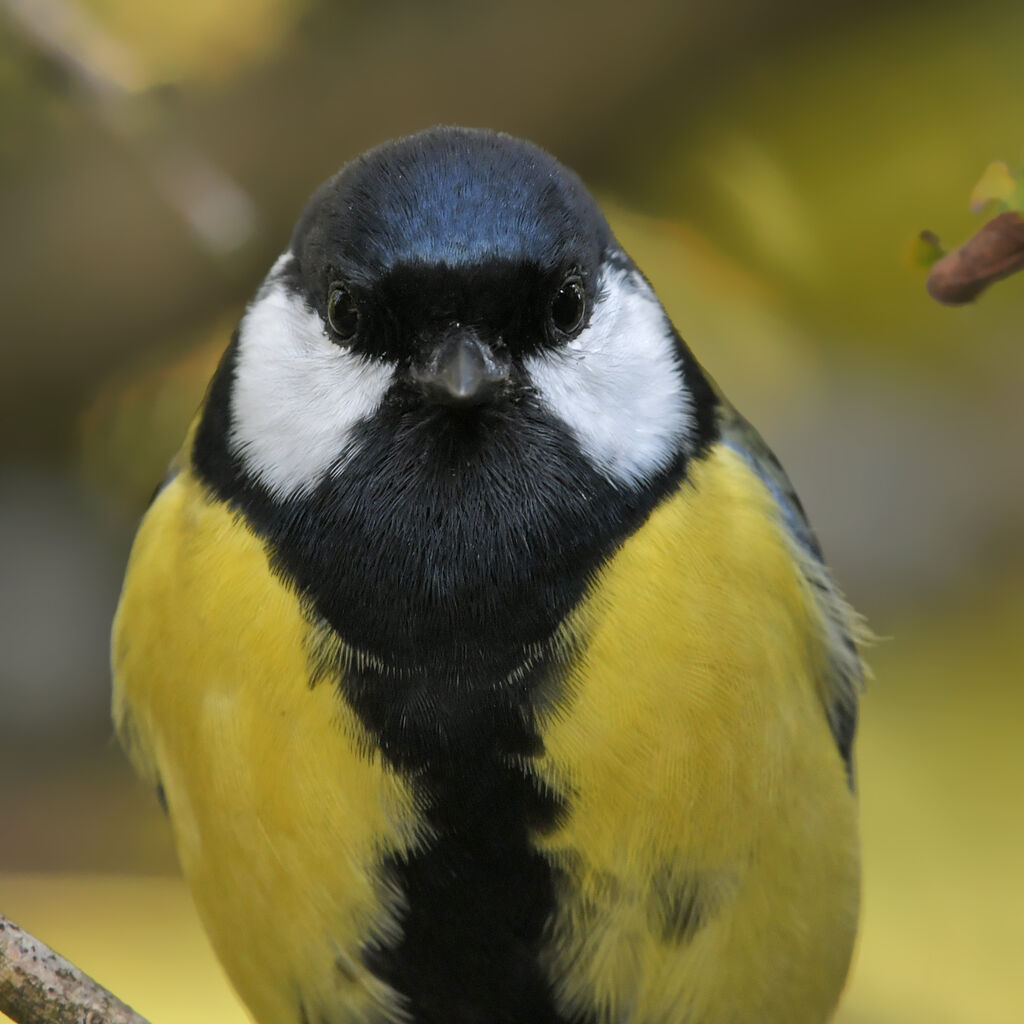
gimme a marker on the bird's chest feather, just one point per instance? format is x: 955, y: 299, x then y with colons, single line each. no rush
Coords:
x: 644, y: 819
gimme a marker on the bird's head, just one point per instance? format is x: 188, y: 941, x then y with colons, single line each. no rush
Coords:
x: 455, y: 277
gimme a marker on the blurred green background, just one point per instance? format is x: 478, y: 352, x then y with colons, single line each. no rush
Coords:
x: 769, y: 166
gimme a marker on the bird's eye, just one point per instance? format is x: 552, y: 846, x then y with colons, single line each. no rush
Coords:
x: 568, y: 306
x: 342, y: 313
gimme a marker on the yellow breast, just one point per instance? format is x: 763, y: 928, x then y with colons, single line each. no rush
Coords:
x: 709, y: 856
x: 281, y: 811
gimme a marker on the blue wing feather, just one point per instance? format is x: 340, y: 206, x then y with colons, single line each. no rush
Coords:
x: 844, y: 629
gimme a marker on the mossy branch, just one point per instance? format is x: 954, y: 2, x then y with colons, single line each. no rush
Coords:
x: 37, y: 986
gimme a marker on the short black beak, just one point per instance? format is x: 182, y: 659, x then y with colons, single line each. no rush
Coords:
x: 463, y: 370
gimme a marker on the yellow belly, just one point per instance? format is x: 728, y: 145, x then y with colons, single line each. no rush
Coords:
x: 691, y: 751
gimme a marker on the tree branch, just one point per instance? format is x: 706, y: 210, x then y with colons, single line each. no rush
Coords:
x: 39, y: 987
x: 994, y: 252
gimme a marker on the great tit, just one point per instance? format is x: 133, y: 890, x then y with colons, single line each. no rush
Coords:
x: 480, y: 651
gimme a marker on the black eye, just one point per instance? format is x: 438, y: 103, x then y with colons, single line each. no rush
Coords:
x: 568, y: 306
x: 342, y: 313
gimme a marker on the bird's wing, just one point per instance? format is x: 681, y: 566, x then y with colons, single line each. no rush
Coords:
x: 845, y: 630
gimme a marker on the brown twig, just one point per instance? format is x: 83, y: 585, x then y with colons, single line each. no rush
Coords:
x: 39, y: 987
x: 995, y: 252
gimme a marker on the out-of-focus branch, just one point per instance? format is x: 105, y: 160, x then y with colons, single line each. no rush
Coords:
x: 994, y: 252
x: 39, y: 987
x: 111, y: 87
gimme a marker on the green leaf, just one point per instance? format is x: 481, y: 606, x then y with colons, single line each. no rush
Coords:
x: 924, y: 250
x: 997, y: 185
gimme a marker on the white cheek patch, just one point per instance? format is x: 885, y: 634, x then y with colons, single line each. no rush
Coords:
x: 297, y: 396
x: 619, y: 386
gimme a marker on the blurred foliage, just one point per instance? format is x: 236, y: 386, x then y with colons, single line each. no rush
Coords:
x: 31, y: 107
x: 998, y: 187
x: 200, y: 41
x: 941, y: 766
x: 814, y: 165
x: 138, y: 419
x: 924, y: 250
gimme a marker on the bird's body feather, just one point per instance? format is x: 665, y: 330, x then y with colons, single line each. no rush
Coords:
x: 705, y: 805
x: 535, y: 707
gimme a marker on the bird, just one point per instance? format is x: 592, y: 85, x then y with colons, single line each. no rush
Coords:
x: 479, y: 651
